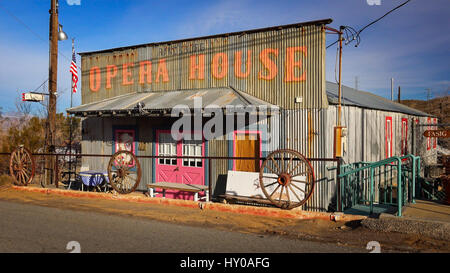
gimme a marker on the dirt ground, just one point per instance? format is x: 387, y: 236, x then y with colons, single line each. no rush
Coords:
x: 341, y: 233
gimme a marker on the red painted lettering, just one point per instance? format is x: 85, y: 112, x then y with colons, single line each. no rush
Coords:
x: 268, y: 64
x: 220, y: 60
x: 145, y: 72
x: 238, y: 64
x: 162, y: 71
x: 94, y: 78
x: 111, y: 72
x: 127, y: 74
x: 197, y: 66
x: 291, y: 64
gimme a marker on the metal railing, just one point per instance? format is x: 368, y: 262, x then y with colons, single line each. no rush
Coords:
x: 391, y: 181
x: 209, y: 163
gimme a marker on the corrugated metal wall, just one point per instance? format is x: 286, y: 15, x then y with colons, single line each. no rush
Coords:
x: 308, y: 131
x: 307, y: 61
x: 97, y: 138
x: 366, y: 134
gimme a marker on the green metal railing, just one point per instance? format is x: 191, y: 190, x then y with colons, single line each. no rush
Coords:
x: 390, y: 181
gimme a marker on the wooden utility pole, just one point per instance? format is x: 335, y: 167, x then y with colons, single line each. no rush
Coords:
x: 399, y: 95
x: 340, y: 77
x: 52, y: 88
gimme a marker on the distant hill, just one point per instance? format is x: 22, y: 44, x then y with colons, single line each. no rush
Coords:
x: 439, y: 107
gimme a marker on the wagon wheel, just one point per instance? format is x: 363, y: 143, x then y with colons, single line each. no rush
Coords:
x: 124, y: 172
x: 286, y: 178
x: 22, y: 166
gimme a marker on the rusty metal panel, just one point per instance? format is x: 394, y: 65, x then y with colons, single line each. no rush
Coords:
x: 220, y: 97
x: 108, y: 75
x: 275, y: 65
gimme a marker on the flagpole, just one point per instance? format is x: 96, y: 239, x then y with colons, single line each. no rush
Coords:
x: 70, y: 126
x: 71, y: 90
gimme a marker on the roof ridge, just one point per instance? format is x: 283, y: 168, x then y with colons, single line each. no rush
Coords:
x: 320, y: 21
x: 384, y: 100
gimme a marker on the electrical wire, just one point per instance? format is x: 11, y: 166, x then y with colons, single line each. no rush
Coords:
x: 31, y: 30
x: 40, y: 85
x: 350, y: 34
x: 332, y: 43
x: 361, y: 30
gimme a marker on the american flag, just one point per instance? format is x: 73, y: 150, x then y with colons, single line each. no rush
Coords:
x: 74, y: 71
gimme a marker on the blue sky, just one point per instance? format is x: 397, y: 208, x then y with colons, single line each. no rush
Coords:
x: 411, y: 44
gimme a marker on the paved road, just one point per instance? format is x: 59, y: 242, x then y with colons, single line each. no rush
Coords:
x: 31, y: 228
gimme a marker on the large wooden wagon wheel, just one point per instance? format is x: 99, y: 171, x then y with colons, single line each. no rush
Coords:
x: 22, y: 166
x: 286, y: 178
x: 124, y: 172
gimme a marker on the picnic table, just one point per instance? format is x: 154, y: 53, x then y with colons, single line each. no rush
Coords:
x: 94, y: 178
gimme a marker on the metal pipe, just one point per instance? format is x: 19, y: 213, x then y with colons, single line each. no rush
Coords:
x: 333, y: 29
x: 392, y: 89
x: 338, y: 182
x: 178, y: 157
x: 209, y: 180
x: 70, y: 126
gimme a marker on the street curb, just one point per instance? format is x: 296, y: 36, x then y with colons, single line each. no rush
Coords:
x: 239, y: 209
x: 434, y: 229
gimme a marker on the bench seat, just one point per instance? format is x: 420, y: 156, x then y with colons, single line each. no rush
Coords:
x: 180, y: 187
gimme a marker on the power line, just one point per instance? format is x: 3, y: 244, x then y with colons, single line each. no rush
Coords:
x: 31, y: 30
x: 383, y: 16
x: 22, y: 23
x: 40, y: 85
x: 332, y: 43
x: 351, y: 34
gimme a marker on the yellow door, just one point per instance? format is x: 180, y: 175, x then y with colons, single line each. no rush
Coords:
x: 247, y: 145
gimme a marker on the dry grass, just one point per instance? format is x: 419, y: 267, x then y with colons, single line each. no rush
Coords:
x: 6, y: 180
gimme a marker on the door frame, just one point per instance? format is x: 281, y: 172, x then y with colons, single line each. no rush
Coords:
x: 404, y: 146
x: 257, y: 132
x: 157, y: 131
x: 388, y: 118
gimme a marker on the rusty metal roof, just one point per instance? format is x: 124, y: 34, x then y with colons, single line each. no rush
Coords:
x: 353, y: 97
x: 162, y: 102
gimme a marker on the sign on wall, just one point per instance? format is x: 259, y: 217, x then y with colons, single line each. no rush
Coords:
x: 437, y: 133
x: 285, y: 62
x: 125, y: 141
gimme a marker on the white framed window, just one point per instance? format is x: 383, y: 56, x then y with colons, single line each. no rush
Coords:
x: 192, y: 148
x: 167, y: 146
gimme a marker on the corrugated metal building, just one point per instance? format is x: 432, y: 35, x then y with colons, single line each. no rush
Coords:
x: 129, y: 93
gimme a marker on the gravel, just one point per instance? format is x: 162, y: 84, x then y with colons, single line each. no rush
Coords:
x: 433, y: 229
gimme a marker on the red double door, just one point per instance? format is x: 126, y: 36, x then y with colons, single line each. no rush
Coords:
x: 179, y: 170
